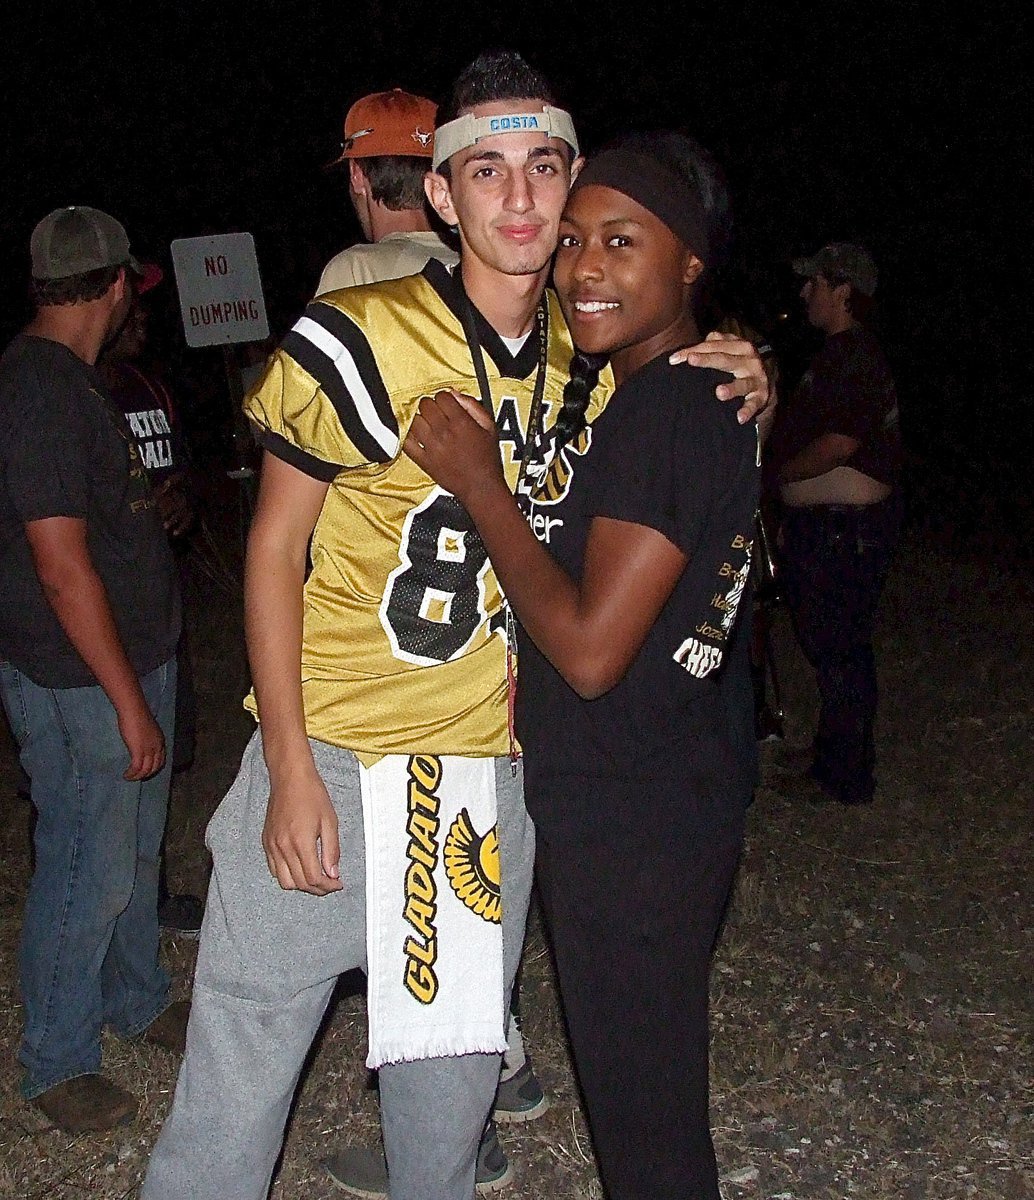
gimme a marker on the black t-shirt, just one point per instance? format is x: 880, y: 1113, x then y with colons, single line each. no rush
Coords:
x: 665, y: 454
x: 847, y: 389
x: 145, y: 400
x: 66, y: 451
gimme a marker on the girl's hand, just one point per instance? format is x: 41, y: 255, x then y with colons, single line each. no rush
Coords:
x: 455, y: 441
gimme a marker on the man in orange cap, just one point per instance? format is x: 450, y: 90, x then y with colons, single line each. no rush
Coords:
x: 389, y: 138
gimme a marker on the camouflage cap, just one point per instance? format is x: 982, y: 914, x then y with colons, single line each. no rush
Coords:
x: 841, y: 262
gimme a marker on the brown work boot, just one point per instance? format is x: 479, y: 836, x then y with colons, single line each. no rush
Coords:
x: 169, y: 1029
x: 87, y: 1104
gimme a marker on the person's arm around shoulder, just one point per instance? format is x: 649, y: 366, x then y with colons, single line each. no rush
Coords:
x: 738, y: 357
x: 76, y: 593
x: 300, y: 834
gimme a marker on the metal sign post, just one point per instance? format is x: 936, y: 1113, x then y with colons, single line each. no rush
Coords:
x: 222, y: 304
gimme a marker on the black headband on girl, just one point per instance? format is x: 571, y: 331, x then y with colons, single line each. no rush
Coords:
x: 658, y: 189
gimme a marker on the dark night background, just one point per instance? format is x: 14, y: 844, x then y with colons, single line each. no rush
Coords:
x: 901, y: 126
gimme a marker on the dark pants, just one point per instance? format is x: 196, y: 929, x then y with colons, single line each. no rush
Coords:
x: 186, y: 707
x: 736, y: 685
x: 834, y: 567
x: 633, y: 901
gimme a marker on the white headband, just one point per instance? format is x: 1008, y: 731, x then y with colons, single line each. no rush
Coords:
x: 468, y: 130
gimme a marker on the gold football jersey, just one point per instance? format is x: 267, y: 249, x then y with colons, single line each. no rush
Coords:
x: 403, y: 640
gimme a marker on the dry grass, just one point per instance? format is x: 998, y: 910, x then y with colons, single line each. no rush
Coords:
x: 871, y: 995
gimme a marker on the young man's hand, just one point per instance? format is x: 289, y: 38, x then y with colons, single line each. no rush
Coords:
x: 300, y: 835
x: 738, y: 357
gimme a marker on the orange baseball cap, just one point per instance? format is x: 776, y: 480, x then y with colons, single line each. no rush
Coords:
x: 394, y: 122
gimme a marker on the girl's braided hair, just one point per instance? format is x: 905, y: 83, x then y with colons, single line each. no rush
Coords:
x: 585, y: 374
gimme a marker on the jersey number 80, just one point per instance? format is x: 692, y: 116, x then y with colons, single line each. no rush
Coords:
x: 435, y: 598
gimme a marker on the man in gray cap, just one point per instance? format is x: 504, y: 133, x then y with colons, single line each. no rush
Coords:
x: 89, y: 619
x: 838, y: 453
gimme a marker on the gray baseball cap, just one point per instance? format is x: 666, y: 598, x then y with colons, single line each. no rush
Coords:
x: 74, y: 240
x: 841, y: 261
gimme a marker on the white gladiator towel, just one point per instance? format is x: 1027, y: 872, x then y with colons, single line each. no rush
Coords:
x: 433, y: 908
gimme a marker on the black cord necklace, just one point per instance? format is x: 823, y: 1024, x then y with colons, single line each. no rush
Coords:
x: 533, y: 435
x: 532, y: 438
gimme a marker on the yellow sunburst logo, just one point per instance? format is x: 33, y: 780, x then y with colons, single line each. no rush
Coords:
x: 551, y: 485
x: 472, y: 867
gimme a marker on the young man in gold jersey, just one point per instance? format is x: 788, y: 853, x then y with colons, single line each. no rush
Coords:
x: 387, y: 148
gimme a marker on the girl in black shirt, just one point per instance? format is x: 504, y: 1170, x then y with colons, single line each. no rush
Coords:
x: 647, y: 518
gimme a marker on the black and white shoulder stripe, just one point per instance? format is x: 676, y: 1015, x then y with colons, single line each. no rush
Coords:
x: 334, y: 351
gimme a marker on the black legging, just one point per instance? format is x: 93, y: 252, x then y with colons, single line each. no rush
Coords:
x: 633, y: 909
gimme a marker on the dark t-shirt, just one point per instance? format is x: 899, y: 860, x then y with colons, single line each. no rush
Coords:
x: 148, y: 407
x: 665, y: 454
x: 847, y: 389
x: 65, y: 450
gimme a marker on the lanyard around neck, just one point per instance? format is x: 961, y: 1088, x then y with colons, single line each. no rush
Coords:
x: 477, y: 354
x: 531, y: 441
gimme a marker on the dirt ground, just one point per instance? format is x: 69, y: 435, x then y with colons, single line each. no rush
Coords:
x: 872, y: 1031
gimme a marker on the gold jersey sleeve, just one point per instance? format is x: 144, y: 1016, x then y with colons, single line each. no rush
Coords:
x: 403, y: 640
x: 322, y: 403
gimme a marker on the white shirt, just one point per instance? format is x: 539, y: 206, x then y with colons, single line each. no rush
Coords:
x: 394, y: 256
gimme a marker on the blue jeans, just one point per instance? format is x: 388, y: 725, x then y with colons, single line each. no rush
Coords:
x: 836, y: 559
x: 89, y: 949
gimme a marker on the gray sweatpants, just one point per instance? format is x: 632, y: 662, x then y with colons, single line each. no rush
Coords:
x: 267, y: 965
